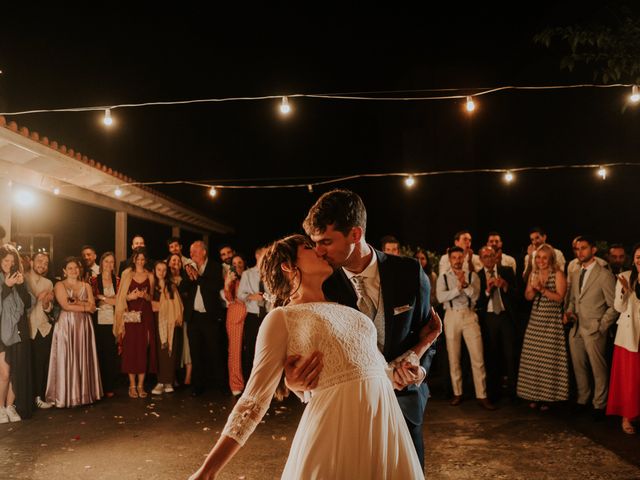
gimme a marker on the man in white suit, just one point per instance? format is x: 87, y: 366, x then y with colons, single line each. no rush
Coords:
x: 590, y: 306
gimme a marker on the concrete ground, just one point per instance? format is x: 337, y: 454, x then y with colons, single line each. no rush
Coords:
x: 167, y: 437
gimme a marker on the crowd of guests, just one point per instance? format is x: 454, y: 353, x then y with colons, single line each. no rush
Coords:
x: 184, y: 320
x: 529, y: 329
x: 541, y: 330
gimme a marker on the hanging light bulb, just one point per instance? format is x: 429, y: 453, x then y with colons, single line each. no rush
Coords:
x: 508, y: 177
x: 107, y: 120
x: 410, y: 181
x: 602, y: 173
x: 56, y: 191
x: 470, y: 105
x: 635, y: 95
x: 310, y: 188
x: 213, y: 192
x: 118, y: 192
x: 285, y: 108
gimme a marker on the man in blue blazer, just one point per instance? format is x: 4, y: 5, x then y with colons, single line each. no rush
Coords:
x: 393, y: 291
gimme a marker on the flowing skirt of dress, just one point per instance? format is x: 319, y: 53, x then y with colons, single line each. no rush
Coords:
x: 74, y: 374
x: 353, y: 430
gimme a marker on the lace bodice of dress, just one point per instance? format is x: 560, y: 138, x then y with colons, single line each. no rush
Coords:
x: 346, y: 337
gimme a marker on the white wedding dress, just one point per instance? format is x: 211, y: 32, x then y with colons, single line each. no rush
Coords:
x: 352, y: 427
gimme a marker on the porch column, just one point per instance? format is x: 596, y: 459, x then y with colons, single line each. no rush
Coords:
x: 121, y: 237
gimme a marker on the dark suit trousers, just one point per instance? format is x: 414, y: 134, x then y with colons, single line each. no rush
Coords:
x: 40, y: 351
x: 107, y: 356
x: 500, y: 346
x: 250, y: 334
x: 208, y: 345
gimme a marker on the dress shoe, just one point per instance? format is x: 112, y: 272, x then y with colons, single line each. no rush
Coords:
x: 456, y: 400
x: 598, y: 415
x: 486, y: 404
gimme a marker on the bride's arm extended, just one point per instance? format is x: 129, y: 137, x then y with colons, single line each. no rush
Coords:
x: 271, y: 351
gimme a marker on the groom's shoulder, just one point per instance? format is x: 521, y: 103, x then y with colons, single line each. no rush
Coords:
x: 397, y: 262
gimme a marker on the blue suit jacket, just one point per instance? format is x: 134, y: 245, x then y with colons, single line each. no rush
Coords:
x: 402, y: 282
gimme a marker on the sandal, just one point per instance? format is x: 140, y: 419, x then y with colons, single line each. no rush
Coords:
x: 141, y: 392
x: 133, y: 393
x: 627, y: 427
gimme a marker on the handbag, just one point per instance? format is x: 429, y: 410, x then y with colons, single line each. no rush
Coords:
x: 132, y: 317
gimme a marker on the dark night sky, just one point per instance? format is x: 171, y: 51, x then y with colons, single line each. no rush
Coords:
x: 62, y: 59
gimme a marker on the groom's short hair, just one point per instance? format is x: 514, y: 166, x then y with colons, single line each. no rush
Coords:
x: 343, y: 209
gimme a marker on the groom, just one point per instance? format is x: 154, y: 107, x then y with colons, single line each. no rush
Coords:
x: 393, y: 291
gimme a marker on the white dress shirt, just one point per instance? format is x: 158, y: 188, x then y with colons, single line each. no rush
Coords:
x: 198, y: 302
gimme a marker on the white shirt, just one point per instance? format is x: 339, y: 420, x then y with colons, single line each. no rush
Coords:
x: 95, y: 270
x: 198, y: 303
x: 250, y: 284
x: 508, y: 261
x: 371, y: 277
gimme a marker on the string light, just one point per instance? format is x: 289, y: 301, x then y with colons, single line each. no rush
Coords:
x: 470, y: 105
x: 409, y: 178
x: 285, y: 108
x: 56, y: 191
x: 602, y: 173
x: 107, y: 120
x: 410, y: 181
x: 635, y: 95
x: 387, y: 95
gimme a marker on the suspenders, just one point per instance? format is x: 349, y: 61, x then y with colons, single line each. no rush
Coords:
x: 446, y: 284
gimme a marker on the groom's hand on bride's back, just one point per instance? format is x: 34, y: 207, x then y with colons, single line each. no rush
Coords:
x: 302, y: 373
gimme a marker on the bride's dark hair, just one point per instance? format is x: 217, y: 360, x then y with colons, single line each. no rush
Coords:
x: 277, y: 281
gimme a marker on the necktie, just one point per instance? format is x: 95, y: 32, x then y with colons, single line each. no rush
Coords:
x: 365, y: 305
x: 498, y: 308
x: 582, y: 272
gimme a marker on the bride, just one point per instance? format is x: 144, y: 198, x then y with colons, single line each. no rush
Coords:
x: 352, y: 426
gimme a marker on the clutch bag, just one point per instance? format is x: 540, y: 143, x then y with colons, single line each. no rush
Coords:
x: 132, y: 317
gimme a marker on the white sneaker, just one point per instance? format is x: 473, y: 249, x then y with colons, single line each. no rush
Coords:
x: 12, y: 414
x: 158, y: 389
x: 168, y: 388
x: 42, y: 404
x: 4, y: 418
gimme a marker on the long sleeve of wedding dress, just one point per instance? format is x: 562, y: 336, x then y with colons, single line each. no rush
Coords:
x: 271, y: 352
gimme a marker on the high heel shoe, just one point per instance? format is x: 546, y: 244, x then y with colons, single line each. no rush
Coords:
x: 141, y: 392
x: 133, y: 393
x: 627, y: 427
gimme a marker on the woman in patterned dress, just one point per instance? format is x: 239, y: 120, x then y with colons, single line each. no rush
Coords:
x: 544, y: 366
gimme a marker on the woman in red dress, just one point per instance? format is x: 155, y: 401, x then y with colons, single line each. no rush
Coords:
x: 134, y: 324
x: 624, y: 386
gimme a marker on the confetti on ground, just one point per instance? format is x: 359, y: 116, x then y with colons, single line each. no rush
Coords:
x: 206, y: 429
x: 156, y: 414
